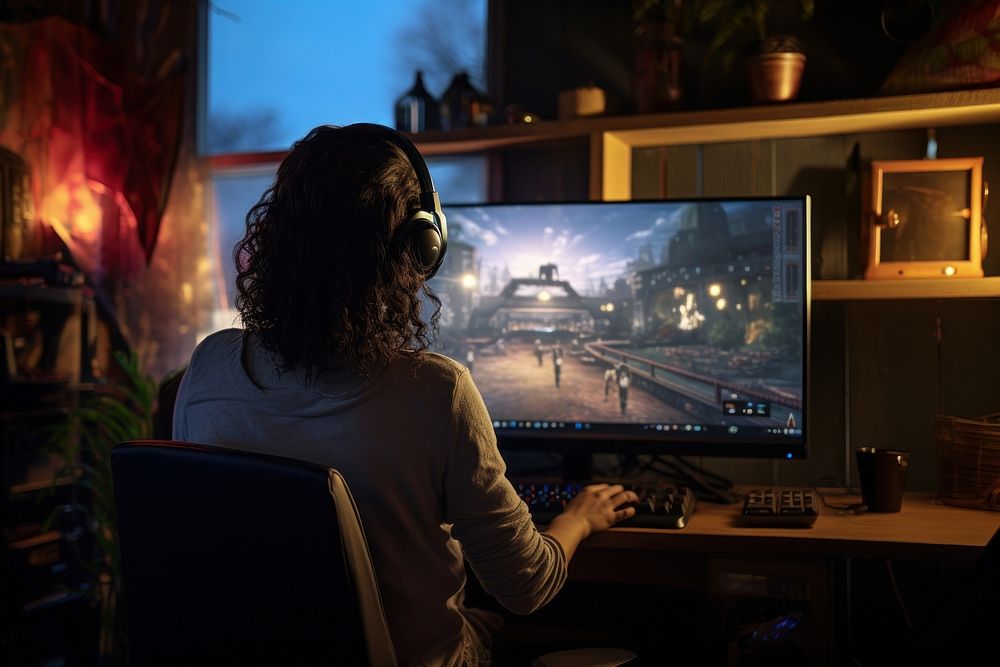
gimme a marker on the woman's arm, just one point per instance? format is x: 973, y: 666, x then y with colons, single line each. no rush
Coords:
x: 517, y: 564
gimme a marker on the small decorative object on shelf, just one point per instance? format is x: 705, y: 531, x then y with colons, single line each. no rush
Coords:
x: 927, y: 219
x: 482, y: 110
x: 517, y: 114
x: 658, y: 53
x: 960, y: 50
x: 578, y: 102
x: 775, y: 72
x: 462, y: 105
x: 417, y: 110
x: 16, y: 209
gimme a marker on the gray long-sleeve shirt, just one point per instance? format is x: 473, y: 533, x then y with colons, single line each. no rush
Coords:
x: 418, y: 451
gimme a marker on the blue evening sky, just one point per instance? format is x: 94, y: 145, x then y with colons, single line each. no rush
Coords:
x: 310, y: 62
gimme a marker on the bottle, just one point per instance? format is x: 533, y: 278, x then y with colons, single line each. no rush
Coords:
x: 482, y: 110
x: 457, y: 103
x: 416, y: 110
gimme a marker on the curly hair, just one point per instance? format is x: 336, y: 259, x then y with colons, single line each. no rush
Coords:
x: 320, y: 278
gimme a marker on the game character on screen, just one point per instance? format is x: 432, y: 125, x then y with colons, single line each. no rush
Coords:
x: 623, y: 376
x: 557, y: 361
x: 609, y: 381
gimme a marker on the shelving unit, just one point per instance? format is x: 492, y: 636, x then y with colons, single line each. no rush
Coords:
x: 874, y: 290
x: 612, y: 177
x: 613, y: 140
x: 43, y: 614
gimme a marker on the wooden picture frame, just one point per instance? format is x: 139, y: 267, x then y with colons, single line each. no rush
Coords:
x: 926, y: 219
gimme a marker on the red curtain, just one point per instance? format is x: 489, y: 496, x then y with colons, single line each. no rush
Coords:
x: 100, y: 138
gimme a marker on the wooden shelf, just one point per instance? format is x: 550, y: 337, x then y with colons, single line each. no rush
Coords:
x: 47, y: 537
x: 42, y: 484
x: 870, y: 290
x: 52, y: 600
x: 31, y: 294
x: 738, y: 124
x: 611, y: 172
x: 711, y: 125
x: 810, y: 119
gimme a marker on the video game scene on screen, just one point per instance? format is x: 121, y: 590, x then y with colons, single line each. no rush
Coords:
x: 665, y: 313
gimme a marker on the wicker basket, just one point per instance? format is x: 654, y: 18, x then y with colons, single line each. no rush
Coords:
x: 969, y: 461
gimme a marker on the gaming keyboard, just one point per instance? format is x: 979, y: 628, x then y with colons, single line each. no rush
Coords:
x: 660, y: 505
x: 791, y: 508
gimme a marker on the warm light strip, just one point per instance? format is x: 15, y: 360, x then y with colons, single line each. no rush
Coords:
x: 780, y: 128
x: 926, y: 288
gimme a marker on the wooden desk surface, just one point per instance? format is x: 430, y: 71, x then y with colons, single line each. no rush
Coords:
x: 923, y: 530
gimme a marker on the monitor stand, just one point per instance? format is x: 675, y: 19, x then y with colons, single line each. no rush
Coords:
x: 579, y: 467
x: 707, y: 485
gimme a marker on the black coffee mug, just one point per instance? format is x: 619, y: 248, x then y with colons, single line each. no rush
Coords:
x: 882, y: 473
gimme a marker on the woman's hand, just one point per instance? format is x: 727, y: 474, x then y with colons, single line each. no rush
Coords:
x: 597, y: 507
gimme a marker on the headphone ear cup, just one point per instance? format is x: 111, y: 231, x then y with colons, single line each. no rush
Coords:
x: 427, y: 243
x: 423, y: 239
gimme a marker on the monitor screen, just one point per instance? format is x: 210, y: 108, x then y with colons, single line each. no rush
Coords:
x: 654, y: 326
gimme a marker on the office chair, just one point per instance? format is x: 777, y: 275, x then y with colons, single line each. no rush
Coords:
x: 237, y: 558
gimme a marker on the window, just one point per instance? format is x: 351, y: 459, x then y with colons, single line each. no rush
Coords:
x: 276, y: 70
x: 235, y: 191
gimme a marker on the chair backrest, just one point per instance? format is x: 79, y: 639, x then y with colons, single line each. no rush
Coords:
x: 237, y: 558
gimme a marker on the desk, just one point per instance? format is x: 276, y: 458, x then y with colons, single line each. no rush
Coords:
x: 924, y: 530
x: 714, y: 545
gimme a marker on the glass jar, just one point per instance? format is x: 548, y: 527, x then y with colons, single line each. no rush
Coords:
x: 459, y: 103
x: 416, y: 109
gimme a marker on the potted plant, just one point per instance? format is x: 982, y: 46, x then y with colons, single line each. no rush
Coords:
x: 775, y: 68
x: 659, y: 27
x: 119, y: 411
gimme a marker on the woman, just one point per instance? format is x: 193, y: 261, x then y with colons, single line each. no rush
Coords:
x: 333, y: 367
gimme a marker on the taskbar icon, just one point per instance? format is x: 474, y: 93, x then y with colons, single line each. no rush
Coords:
x: 509, y: 424
x: 688, y: 428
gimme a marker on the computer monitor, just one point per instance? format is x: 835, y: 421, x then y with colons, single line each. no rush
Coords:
x: 663, y: 327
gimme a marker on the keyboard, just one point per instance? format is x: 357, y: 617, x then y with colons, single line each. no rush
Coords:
x: 790, y: 508
x: 660, y: 505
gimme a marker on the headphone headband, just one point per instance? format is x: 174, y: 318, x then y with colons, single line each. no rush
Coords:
x: 428, y: 195
x: 426, y: 231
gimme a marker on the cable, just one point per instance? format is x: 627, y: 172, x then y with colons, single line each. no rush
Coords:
x: 899, y: 596
x: 841, y: 508
x: 698, y: 479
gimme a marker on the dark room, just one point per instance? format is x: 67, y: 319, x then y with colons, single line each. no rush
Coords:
x: 499, y: 333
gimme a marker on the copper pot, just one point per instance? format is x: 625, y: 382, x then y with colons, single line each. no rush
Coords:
x: 775, y: 77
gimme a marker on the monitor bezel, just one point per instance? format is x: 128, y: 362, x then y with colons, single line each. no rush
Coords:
x: 577, y: 442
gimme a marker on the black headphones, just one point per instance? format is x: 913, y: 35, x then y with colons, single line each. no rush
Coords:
x: 425, y: 232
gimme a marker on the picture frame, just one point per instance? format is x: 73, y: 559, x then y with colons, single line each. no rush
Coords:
x: 926, y: 219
